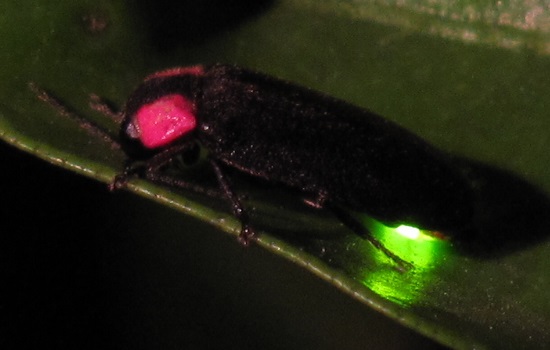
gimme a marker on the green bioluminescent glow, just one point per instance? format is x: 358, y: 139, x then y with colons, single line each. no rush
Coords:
x: 412, y: 245
x: 408, y: 231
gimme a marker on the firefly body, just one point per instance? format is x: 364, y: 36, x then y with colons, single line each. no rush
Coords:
x: 338, y: 156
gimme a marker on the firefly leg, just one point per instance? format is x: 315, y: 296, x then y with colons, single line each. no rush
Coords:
x: 247, y: 233
x: 151, y: 170
x: 353, y: 224
x: 321, y: 201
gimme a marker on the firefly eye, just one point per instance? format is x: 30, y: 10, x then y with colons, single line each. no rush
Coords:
x: 163, y: 121
x: 132, y: 130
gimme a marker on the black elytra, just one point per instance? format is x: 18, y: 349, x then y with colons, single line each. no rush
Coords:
x: 339, y: 156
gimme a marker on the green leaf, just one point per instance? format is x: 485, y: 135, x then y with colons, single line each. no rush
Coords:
x: 469, y: 77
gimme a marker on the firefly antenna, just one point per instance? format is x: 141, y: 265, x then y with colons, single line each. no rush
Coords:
x: 91, y: 127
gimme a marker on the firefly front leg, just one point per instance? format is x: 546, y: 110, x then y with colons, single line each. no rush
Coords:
x: 247, y: 233
x: 148, y: 168
x: 152, y: 170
